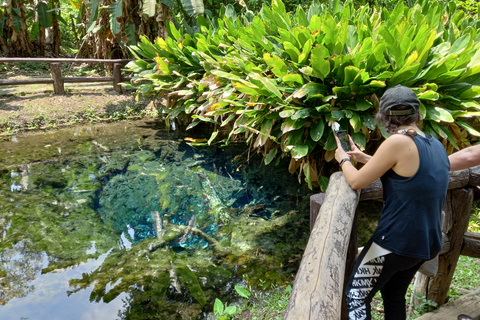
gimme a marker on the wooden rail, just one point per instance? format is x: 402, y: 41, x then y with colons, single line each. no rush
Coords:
x: 318, y: 291
x: 58, y: 80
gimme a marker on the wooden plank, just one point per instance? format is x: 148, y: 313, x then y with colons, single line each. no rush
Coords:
x: 468, y: 304
x: 471, y: 245
x: 63, y: 60
x: 82, y: 79
x: 318, y: 288
x: 17, y: 82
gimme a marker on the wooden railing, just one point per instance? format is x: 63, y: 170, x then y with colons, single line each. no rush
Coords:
x: 58, y: 80
x: 319, y: 288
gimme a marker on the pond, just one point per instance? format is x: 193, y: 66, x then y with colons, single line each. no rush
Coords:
x: 133, y: 221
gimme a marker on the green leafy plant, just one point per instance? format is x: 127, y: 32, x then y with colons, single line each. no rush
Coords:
x: 424, y: 306
x: 223, y: 312
x: 227, y: 312
x: 282, y: 86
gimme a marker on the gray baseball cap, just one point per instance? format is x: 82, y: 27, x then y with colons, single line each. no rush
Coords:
x: 399, y: 96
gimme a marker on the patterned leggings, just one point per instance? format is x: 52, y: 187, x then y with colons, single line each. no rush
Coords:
x: 378, y: 269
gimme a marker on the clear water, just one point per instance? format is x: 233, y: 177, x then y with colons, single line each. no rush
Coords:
x: 128, y: 221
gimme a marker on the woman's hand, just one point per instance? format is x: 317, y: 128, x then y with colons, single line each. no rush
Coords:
x: 356, y: 154
x: 339, y: 152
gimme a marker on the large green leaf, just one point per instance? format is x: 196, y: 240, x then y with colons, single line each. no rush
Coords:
x: 316, y: 130
x: 268, y: 83
x: 93, y: 6
x: 470, y: 93
x: 292, y: 51
x: 131, y: 35
x: 460, y: 44
x: 359, y: 139
x: 193, y: 7
x: 356, y: 122
x: 247, y: 87
x: 319, y: 64
x: 279, y: 68
x: 444, y: 133
x: 438, y: 113
x: 44, y: 15
x: 289, y: 124
x: 271, y: 155
x: 116, y: 12
x: 299, y: 151
x: 469, y: 128
x: 310, y: 90
x: 293, y: 78
x: 218, y: 307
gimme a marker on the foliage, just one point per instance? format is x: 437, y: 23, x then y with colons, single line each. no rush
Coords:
x: 424, y: 306
x: 474, y: 224
x: 471, y: 6
x: 465, y: 276
x: 223, y: 312
x: 280, y: 85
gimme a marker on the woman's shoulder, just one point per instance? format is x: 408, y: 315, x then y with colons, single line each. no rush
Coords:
x: 398, y: 138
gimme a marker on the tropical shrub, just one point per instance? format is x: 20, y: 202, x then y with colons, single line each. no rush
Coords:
x: 468, y: 5
x: 280, y: 81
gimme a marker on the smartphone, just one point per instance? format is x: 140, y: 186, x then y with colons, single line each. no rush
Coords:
x: 343, y: 136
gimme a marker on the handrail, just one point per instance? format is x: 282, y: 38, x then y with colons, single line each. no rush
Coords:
x: 319, y: 284
x: 58, y: 80
x: 64, y: 60
x: 318, y: 290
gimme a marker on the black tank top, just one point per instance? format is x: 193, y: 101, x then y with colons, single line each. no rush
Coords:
x: 412, y: 212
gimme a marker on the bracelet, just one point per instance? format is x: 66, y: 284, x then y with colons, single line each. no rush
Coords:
x: 344, y: 160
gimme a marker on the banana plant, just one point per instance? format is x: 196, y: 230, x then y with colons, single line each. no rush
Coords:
x: 282, y: 86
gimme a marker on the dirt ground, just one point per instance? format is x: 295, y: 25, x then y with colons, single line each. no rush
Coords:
x: 29, y: 107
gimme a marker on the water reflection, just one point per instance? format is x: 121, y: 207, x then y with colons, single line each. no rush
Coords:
x: 126, y: 222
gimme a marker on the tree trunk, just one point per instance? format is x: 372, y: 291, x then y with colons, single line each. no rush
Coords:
x: 18, y: 42
x: 56, y: 37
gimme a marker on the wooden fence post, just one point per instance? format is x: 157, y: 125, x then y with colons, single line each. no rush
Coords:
x: 457, y: 213
x: 318, y: 288
x: 316, y: 202
x: 56, y: 70
x: 117, y: 77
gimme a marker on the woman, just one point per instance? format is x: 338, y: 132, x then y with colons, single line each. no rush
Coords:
x: 413, y: 167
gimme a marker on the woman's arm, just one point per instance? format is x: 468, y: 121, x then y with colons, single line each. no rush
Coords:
x: 465, y: 158
x: 386, y: 157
